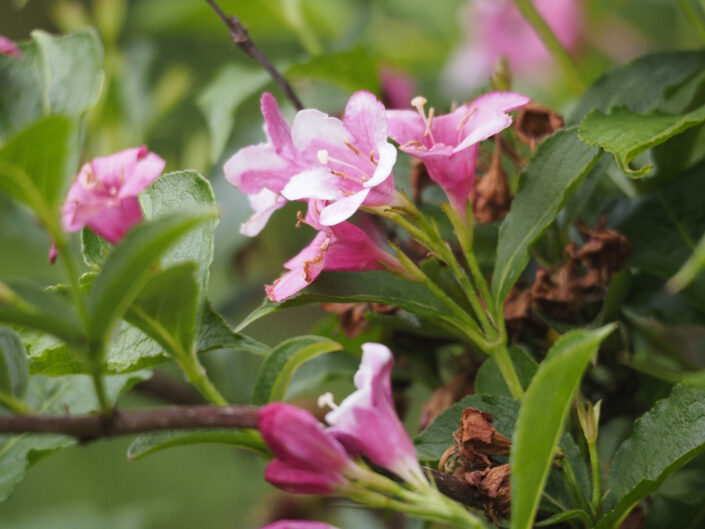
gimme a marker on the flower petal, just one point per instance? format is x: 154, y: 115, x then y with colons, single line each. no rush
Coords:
x: 298, y: 481
x: 387, y: 159
x: 405, y: 126
x: 365, y: 118
x: 313, y: 131
x: 256, y: 167
x: 318, y: 183
x: 342, y: 209
x: 277, y: 128
x: 264, y: 204
x: 148, y: 168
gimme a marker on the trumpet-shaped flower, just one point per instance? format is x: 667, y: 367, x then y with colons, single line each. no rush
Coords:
x: 103, y: 197
x: 309, y: 460
x: 298, y: 524
x: 367, y: 418
x: 343, y: 247
x: 497, y: 29
x: 448, y: 144
x: 8, y: 47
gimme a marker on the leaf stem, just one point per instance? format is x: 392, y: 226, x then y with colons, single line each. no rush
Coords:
x: 14, y: 404
x: 596, y: 499
x: 196, y: 375
x: 99, y: 384
x: 500, y: 354
x: 532, y: 16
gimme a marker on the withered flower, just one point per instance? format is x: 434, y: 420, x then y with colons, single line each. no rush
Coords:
x: 491, y: 197
x: 535, y: 122
x: 476, y: 439
x: 352, y: 315
x: 495, y: 489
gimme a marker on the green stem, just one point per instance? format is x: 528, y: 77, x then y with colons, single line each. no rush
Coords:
x: 596, y: 480
x: 14, y: 404
x: 527, y: 9
x: 72, y: 273
x: 196, y: 375
x: 573, y: 488
x: 99, y: 384
x: 500, y: 354
x: 694, y: 18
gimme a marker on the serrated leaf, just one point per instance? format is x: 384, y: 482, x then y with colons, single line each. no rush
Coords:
x: 130, y: 349
x: 14, y: 367
x: 627, y: 134
x: 489, y: 379
x: 55, y: 395
x: 59, y: 75
x: 146, y: 444
x: 559, y: 164
x: 35, y: 176
x: 542, y: 416
x: 353, y: 287
x: 278, y: 368
x: 166, y: 309
x: 26, y: 304
x: 130, y: 266
x: 663, y: 440
x: 641, y: 85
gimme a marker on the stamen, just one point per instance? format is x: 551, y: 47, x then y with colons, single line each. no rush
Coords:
x: 322, y: 156
x: 352, y: 148
x: 418, y: 102
x: 347, y: 193
x: 327, y: 400
x: 429, y: 123
x: 341, y: 174
x: 299, y: 218
x: 372, y: 157
x: 467, y: 116
x: 410, y: 143
x: 325, y: 159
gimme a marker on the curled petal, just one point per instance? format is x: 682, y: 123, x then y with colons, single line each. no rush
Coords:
x: 342, y: 209
x: 298, y: 481
x: 387, y: 159
x: 264, y: 204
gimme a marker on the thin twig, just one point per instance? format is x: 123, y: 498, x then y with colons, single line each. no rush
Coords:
x: 240, y: 36
x: 91, y: 427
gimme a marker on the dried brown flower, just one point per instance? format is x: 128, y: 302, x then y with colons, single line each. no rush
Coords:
x: 476, y: 439
x: 490, y: 196
x: 495, y: 489
x: 535, y: 122
x: 445, y: 396
x: 352, y: 315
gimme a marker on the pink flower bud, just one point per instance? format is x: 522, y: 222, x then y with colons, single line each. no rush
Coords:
x: 298, y: 481
x: 103, y: 197
x: 7, y: 47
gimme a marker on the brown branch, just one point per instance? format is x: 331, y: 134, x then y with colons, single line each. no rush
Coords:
x: 91, y: 427
x: 240, y: 36
x: 456, y: 489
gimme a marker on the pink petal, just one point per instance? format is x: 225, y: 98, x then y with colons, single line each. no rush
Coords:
x: 148, y: 168
x: 303, y: 269
x: 113, y: 223
x: 397, y: 88
x: 257, y: 167
x: 352, y: 249
x: 278, y: 130
x: 116, y: 169
x: 264, y: 204
x: 313, y: 130
x: 342, y: 209
x: 297, y: 524
x: 387, y: 159
x: 365, y: 119
x: 298, y: 481
x: 7, y: 47
x: 405, y: 126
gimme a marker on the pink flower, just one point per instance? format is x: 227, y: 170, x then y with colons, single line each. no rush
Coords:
x: 343, y: 164
x: 104, y: 195
x: 7, y: 47
x: 497, y: 29
x: 367, y: 418
x: 309, y: 460
x: 397, y: 88
x: 297, y: 524
x: 343, y: 247
x: 448, y: 144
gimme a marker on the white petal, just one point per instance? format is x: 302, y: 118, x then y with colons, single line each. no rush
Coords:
x: 342, y: 209
x: 387, y: 159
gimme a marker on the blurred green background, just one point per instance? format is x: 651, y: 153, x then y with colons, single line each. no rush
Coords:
x: 176, y: 83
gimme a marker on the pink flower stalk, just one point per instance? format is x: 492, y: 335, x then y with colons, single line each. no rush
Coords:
x: 344, y: 163
x: 309, y: 460
x: 448, y: 144
x: 343, y: 247
x: 103, y: 197
x: 7, y: 47
x: 298, y: 524
x: 497, y: 29
x: 367, y: 418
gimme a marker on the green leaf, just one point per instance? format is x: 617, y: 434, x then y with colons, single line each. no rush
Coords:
x: 14, y: 367
x: 572, y: 514
x: 559, y: 164
x: 53, y: 395
x: 59, y: 75
x: 27, y: 304
x: 663, y: 440
x: 130, y: 266
x: 353, y: 69
x: 94, y: 248
x: 352, y: 287
x: 35, y: 176
x: 166, y: 309
x: 542, y: 416
x: 130, y: 349
x: 627, y: 134
x: 222, y: 97
x: 641, y: 85
x: 690, y: 270
x: 489, y: 379
x: 174, y: 193
x: 438, y: 436
x: 146, y: 444
x: 278, y: 368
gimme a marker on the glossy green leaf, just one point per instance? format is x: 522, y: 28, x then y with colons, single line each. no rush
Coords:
x: 663, y: 440
x: 53, y: 395
x: 130, y: 349
x: 542, y: 417
x: 223, y: 96
x: 559, y: 164
x: 174, y: 193
x: 146, y: 444
x: 166, y: 309
x: 627, y: 134
x: 489, y: 379
x: 36, y: 176
x: 641, y: 85
x: 278, y: 368
x: 344, y: 287
x: 131, y: 265
x: 24, y: 303
x: 14, y: 367
x: 59, y: 75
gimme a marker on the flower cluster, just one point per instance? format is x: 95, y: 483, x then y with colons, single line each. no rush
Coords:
x: 338, y: 165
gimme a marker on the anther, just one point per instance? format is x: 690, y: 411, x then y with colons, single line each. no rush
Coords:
x: 352, y: 148
x: 326, y: 400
